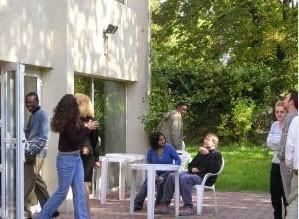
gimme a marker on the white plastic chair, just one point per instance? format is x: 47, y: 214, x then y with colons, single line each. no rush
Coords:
x: 200, y: 190
x: 185, y: 158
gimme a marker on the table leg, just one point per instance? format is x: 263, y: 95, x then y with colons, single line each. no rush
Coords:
x: 150, y: 193
x: 177, y: 194
x: 133, y: 190
x: 122, y: 179
x: 98, y: 183
x: 104, y: 181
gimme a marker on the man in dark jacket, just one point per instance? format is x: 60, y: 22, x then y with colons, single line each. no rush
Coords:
x: 208, y: 160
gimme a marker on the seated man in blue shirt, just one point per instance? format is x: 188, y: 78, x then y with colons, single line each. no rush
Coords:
x: 159, y: 153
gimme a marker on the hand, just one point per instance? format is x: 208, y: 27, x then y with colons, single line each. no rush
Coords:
x: 97, y: 164
x: 203, y: 150
x: 85, y: 150
x: 92, y: 125
x: 195, y: 170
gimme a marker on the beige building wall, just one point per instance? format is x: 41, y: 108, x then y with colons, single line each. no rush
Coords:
x: 63, y: 37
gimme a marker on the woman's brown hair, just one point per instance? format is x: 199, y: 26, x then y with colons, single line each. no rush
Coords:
x: 66, y: 109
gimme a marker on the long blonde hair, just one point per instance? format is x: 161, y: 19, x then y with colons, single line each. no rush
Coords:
x: 85, y: 105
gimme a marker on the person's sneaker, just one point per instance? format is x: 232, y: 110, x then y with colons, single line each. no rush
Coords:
x: 162, y: 209
x: 55, y: 214
x: 137, y: 207
x: 186, y: 211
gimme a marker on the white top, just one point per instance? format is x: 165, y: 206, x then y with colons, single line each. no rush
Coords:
x: 291, y: 154
x: 273, y: 140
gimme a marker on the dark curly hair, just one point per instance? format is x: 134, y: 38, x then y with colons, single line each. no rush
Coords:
x: 66, y: 109
x: 154, y: 139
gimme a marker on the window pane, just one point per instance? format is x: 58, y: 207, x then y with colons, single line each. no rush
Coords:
x: 121, y: 1
x: 110, y: 111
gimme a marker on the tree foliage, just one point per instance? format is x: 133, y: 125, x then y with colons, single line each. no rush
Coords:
x: 230, y: 59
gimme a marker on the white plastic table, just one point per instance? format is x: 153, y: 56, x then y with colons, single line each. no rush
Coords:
x: 151, y: 175
x: 123, y: 160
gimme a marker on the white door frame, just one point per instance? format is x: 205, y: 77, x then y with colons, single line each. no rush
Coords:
x: 18, y: 139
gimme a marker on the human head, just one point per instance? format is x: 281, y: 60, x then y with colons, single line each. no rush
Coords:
x: 157, y: 140
x: 66, y: 109
x: 291, y: 101
x: 210, y: 140
x: 182, y: 108
x: 85, y: 105
x: 279, y: 111
x: 32, y: 101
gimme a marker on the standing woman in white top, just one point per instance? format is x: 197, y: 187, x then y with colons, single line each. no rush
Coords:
x: 276, y: 187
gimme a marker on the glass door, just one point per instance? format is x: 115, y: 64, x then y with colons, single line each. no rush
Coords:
x: 12, y: 140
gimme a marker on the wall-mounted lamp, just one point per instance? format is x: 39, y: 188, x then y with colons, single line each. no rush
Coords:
x: 111, y: 29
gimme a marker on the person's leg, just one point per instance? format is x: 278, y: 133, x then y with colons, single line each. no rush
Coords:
x: 276, y: 190
x: 29, y: 182
x: 160, y: 182
x: 66, y: 165
x: 87, y: 193
x: 80, y: 208
x: 292, y: 199
x: 141, y: 195
x: 168, y: 189
x: 187, y: 181
x: 286, y: 178
x: 40, y: 188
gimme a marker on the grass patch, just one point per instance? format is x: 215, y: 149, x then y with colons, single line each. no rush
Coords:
x: 247, y: 168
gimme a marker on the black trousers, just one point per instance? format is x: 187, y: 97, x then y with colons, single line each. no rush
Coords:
x: 276, y: 190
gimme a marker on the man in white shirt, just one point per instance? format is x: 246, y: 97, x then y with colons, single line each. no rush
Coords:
x: 291, y: 158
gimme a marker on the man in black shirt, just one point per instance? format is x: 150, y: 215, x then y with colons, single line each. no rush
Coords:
x: 208, y: 160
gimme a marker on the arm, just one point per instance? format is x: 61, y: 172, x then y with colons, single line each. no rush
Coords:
x: 175, y: 156
x: 74, y: 133
x: 44, y: 126
x: 149, y: 156
x: 176, y: 130
x: 193, y: 163
x: 273, y: 138
x: 94, y: 135
x: 292, y: 142
x: 214, y: 163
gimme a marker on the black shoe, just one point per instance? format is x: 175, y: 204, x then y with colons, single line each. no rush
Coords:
x: 137, y: 207
x: 55, y: 214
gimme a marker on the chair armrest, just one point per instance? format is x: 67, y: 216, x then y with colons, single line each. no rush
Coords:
x: 206, y: 177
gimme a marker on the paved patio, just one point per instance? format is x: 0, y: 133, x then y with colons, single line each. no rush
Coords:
x: 231, y: 205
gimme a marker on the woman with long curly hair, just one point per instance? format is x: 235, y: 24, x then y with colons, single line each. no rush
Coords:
x: 69, y: 166
x: 90, y: 149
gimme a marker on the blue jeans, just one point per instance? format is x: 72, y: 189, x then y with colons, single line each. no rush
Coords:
x: 187, y: 181
x: 70, y: 173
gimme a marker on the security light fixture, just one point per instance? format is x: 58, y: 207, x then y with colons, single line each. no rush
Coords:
x: 111, y: 29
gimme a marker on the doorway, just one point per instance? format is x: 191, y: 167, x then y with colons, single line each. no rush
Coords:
x: 12, y: 140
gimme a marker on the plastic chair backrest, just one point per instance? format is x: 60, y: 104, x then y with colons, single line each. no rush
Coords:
x: 185, y: 158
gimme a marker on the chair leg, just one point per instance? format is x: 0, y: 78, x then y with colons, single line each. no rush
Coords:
x: 215, y: 200
x: 199, y: 199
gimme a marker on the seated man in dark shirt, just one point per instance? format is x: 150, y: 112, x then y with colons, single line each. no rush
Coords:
x: 208, y: 160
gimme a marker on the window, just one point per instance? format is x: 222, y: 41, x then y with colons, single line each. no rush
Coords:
x: 109, y: 100
x: 121, y: 1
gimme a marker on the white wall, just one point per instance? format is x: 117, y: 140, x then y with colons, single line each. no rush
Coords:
x: 66, y: 36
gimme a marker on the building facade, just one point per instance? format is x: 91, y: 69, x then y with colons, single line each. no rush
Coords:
x: 45, y: 46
